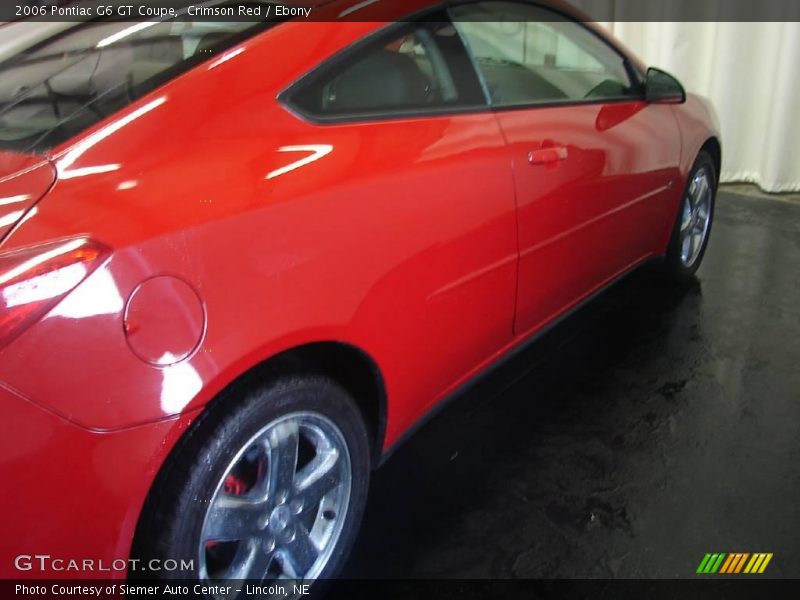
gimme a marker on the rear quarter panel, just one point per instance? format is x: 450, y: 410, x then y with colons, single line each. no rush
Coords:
x: 400, y: 241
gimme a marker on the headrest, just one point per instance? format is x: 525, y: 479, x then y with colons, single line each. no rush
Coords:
x: 384, y: 79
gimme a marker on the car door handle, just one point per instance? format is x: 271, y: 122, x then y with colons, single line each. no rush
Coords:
x: 544, y: 156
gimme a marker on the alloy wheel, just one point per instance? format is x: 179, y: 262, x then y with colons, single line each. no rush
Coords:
x: 695, y: 217
x: 279, y: 509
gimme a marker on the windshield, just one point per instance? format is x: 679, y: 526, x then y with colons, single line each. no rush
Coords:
x: 84, y: 72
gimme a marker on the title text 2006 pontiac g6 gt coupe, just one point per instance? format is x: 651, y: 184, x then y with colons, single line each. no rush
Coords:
x: 239, y: 260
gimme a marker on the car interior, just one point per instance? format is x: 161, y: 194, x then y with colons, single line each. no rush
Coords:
x: 421, y: 68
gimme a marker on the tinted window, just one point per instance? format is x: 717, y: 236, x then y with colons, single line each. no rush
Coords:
x: 87, y: 71
x: 528, y: 54
x: 421, y: 67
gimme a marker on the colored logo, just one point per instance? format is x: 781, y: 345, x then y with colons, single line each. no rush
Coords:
x: 736, y: 562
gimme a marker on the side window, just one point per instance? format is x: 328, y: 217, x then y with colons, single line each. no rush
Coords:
x: 67, y: 83
x: 421, y: 67
x: 528, y: 54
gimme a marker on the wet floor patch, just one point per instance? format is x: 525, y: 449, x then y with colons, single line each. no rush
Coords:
x: 651, y: 427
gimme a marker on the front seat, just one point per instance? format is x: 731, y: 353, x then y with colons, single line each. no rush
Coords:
x: 384, y: 79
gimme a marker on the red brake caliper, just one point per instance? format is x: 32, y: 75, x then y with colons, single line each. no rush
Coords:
x: 233, y: 486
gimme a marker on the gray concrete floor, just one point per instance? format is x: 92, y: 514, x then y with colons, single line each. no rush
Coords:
x: 749, y: 189
x: 653, y: 426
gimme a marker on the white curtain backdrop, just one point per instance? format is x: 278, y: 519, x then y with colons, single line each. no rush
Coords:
x: 751, y: 73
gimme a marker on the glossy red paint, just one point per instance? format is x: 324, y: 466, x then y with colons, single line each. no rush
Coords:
x: 164, y: 320
x: 76, y: 493
x: 431, y: 244
x: 602, y: 207
x: 23, y: 181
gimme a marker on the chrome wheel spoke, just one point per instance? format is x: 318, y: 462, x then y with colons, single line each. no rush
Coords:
x: 283, y: 447
x: 317, y: 479
x: 702, y: 222
x: 252, y: 564
x: 703, y: 189
x: 686, y: 219
x: 231, y: 519
x: 686, y: 247
x: 690, y: 197
x: 260, y: 489
x: 698, y: 239
x: 702, y: 213
x: 299, y: 555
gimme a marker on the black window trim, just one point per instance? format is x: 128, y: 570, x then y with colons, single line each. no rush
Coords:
x: 322, y: 69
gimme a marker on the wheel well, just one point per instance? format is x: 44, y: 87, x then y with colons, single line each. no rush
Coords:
x: 713, y: 147
x: 349, y: 366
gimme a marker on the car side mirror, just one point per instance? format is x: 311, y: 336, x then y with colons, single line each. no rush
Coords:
x: 661, y: 87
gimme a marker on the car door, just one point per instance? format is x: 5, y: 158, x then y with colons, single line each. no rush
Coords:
x: 593, y: 163
x: 420, y: 163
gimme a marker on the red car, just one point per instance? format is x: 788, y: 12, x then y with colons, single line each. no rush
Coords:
x: 241, y: 260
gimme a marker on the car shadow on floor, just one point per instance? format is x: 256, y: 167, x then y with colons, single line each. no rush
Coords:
x: 528, y: 454
x: 654, y: 425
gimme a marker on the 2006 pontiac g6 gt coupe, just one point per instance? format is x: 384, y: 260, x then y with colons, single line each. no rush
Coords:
x: 240, y: 260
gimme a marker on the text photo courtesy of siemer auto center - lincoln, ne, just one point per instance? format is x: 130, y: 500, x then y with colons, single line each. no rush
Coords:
x: 399, y: 299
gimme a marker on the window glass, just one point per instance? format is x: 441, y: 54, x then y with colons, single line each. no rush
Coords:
x: 422, y: 67
x: 528, y: 54
x: 87, y: 71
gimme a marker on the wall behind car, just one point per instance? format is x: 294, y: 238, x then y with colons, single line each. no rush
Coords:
x: 751, y: 72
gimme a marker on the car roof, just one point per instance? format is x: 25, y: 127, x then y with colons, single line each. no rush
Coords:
x: 364, y: 9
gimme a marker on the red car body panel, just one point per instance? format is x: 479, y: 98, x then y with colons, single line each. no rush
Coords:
x: 23, y: 181
x: 76, y: 494
x: 603, y: 207
x: 207, y: 184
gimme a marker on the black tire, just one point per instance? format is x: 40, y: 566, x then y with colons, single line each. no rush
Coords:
x: 675, y: 267
x: 173, y: 518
